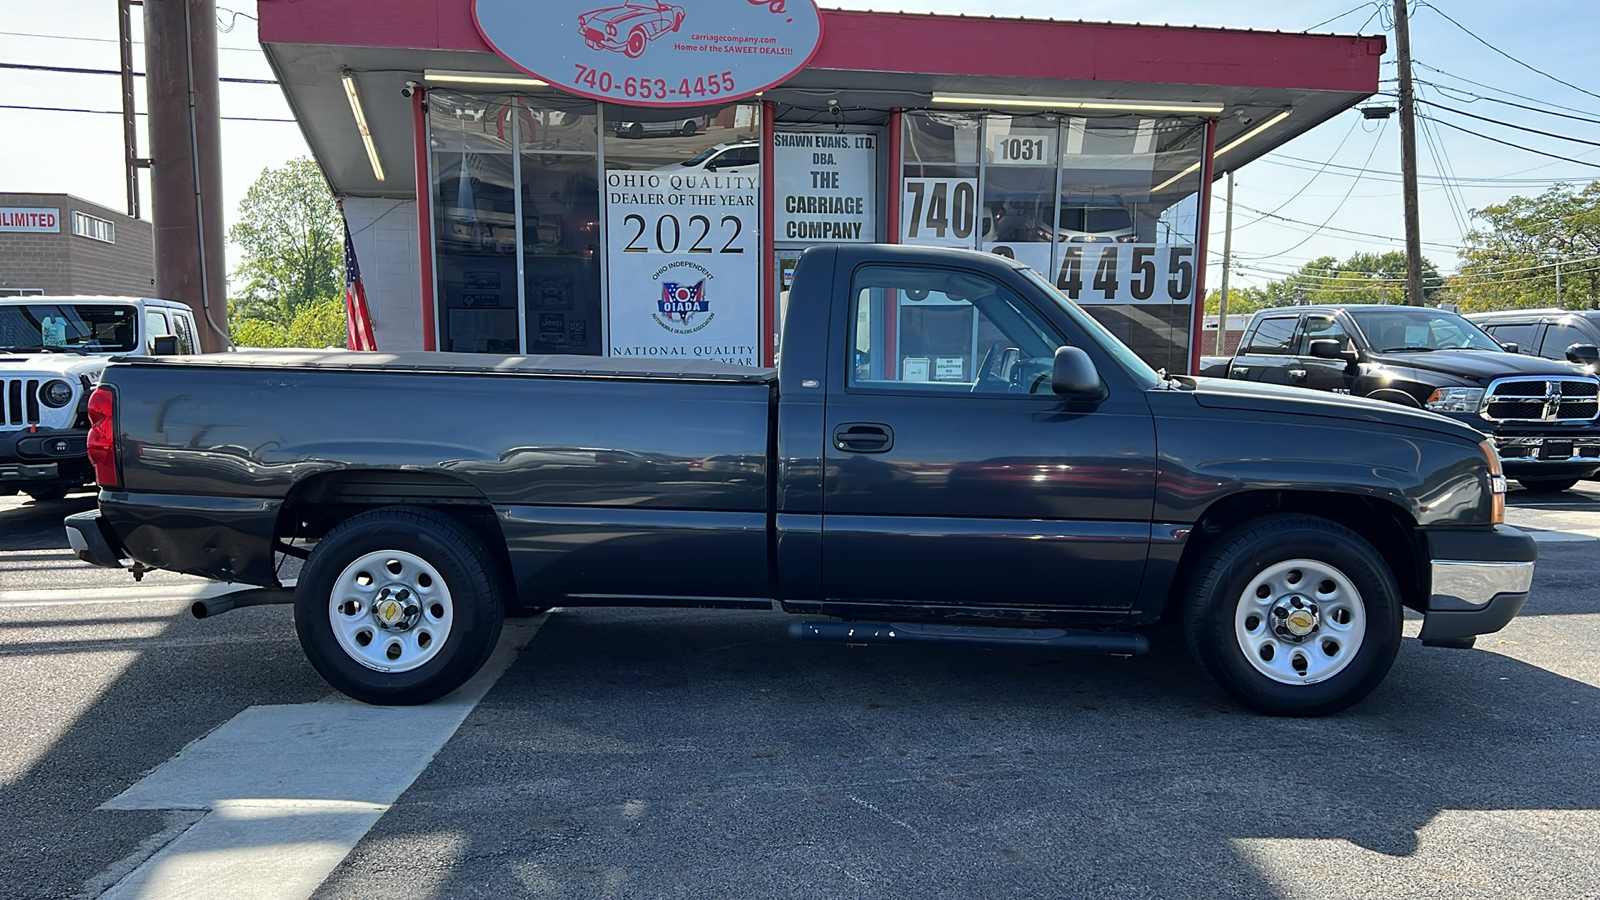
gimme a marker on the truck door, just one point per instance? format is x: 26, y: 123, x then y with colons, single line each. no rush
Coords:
x: 1321, y: 374
x: 1267, y: 352
x: 954, y: 475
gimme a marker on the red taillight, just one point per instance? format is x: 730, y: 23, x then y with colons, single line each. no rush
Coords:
x: 103, y: 437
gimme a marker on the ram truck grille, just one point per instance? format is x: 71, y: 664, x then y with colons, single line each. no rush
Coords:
x: 1574, y: 399
x: 19, y: 402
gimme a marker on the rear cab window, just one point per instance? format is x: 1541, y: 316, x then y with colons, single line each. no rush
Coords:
x: 1272, y: 335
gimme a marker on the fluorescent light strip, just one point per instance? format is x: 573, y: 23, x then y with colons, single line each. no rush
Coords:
x: 1172, y: 106
x: 361, y: 123
x: 1225, y: 148
x: 442, y: 77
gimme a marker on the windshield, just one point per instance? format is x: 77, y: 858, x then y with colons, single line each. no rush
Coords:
x: 703, y: 155
x: 1412, y: 329
x: 86, y: 327
x: 1136, y: 368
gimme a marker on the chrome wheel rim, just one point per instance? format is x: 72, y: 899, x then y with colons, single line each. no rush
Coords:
x: 1300, y: 622
x: 391, y: 611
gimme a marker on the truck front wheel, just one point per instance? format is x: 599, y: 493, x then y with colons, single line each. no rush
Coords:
x: 398, y: 606
x: 1294, y: 615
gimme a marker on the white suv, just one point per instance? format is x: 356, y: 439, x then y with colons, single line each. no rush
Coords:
x: 52, y: 351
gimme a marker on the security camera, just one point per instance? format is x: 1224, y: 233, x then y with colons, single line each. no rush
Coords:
x: 410, y: 88
x: 833, y: 104
x: 1246, y: 120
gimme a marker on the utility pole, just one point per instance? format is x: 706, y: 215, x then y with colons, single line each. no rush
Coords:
x: 1227, y: 266
x: 1408, y: 155
x: 180, y: 40
x: 130, y: 132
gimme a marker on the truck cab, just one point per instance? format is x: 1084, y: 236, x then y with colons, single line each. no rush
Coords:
x: 1543, y: 414
x: 52, y: 352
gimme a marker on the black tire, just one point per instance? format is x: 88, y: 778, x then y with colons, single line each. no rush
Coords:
x: 689, y: 128
x: 476, y: 612
x: 636, y: 131
x: 1547, y: 485
x: 50, y: 494
x: 1216, y: 616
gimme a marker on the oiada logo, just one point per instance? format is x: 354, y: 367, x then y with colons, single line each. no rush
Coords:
x: 681, y: 304
x: 660, y: 53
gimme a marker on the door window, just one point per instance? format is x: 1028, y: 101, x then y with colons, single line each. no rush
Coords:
x: 1321, y: 328
x: 184, y: 327
x: 1274, y: 335
x: 915, y: 328
x: 155, y: 325
x: 1522, y: 335
x: 1557, y: 338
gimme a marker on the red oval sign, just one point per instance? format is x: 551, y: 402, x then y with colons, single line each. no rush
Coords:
x: 654, y: 52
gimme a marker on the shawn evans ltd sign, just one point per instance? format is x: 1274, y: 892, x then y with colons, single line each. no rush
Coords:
x: 652, y: 52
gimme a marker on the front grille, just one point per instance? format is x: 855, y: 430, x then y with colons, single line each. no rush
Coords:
x: 19, y: 402
x: 1573, y: 399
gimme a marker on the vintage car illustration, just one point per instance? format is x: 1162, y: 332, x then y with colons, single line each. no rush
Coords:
x: 629, y: 27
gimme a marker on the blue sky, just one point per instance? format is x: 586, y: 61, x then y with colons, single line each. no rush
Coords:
x: 1336, y: 210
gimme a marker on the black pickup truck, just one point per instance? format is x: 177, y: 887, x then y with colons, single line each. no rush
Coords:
x: 1541, y: 413
x: 1045, y: 489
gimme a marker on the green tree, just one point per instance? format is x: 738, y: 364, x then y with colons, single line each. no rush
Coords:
x: 1510, y: 262
x: 292, y: 236
x: 316, y: 324
x: 1363, y: 278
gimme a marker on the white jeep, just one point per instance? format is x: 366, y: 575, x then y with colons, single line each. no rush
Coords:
x: 52, y: 351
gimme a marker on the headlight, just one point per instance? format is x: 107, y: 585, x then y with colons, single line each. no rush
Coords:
x: 1456, y: 399
x: 55, y: 394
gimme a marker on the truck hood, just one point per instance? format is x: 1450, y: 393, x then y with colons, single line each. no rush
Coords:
x: 1224, y: 393
x: 1480, y: 366
x: 14, y: 364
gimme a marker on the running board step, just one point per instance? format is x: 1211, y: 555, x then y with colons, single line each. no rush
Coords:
x: 1116, y: 643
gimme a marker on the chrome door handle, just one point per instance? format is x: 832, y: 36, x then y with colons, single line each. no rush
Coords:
x: 1297, y: 373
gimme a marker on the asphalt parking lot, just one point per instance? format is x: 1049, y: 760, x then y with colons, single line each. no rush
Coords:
x: 640, y: 753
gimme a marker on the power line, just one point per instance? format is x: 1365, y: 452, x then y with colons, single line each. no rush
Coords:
x: 1519, y: 62
x: 1366, y: 234
x: 1314, y: 177
x: 1559, y: 137
x: 74, y: 70
x: 1318, y: 230
x: 118, y: 112
x: 98, y: 40
x: 1510, y: 144
x: 1474, y: 98
x: 1342, y: 15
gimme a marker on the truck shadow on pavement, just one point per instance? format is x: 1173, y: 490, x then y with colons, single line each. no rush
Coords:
x: 641, y: 753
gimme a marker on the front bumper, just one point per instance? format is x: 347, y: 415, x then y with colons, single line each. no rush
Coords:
x: 1478, y: 581
x: 43, y: 456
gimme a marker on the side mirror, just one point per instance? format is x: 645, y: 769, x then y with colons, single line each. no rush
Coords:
x: 1073, y: 375
x: 166, y: 345
x: 1327, y: 348
x: 1584, y: 354
x: 1510, y: 347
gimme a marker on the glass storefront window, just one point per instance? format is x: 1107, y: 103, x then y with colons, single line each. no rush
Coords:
x: 516, y: 202
x: 1104, y: 207
x: 724, y: 139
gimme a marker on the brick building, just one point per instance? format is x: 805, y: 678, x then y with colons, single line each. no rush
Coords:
x: 59, y: 244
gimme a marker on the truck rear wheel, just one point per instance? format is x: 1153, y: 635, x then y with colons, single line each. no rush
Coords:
x: 398, y: 606
x: 1294, y: 615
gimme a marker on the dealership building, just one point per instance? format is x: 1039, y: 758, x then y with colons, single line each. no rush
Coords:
x: 637, y: 178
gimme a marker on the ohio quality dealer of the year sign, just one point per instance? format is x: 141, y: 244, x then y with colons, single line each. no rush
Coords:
x: 654, y: 52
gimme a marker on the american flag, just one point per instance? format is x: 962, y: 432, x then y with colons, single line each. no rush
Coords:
x: 355, y: 300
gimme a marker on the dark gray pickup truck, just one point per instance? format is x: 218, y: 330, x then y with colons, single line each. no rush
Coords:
x: 1037, y: 486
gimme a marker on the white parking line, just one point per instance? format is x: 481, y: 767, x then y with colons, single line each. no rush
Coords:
x: 141, y: 594
x: 289, y: 790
